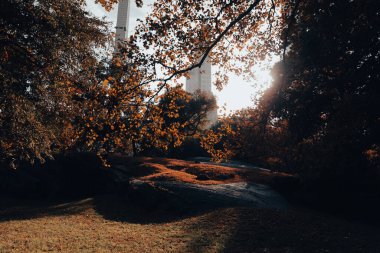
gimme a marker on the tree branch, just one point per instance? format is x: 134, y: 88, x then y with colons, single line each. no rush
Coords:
x: 209, y: 49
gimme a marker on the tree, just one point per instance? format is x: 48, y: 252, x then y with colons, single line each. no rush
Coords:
x: 326, y: 88
x: 177, y: 37
x: 247, y: 136
x: 324, y: 93
x: 48, y: 54
x: 181, y: 115
x: 120, y: 118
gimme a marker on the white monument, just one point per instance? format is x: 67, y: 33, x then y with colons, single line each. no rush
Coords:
x: 122, y: 23
x: 200, y: 79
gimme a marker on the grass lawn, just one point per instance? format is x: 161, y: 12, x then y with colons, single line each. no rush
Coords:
x: 107, y: 224
x: 112, y: 223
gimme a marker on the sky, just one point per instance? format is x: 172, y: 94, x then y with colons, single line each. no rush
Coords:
x: 238, y: 93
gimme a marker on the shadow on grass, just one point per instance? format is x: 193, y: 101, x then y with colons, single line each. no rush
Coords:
x: 110, y: 207
x: 142, y: 204
x: 114, y: 207
x: 117, y: 208
x: 259, y: 230
x: 24, y: 209
x: 264, y: 230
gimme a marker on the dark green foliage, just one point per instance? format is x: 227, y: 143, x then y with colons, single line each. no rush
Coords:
x: 327, y: 88
x: 48, y: 57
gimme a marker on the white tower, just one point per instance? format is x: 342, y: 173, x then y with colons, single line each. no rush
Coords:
x: 200, y: 79
x: 122, y: 23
